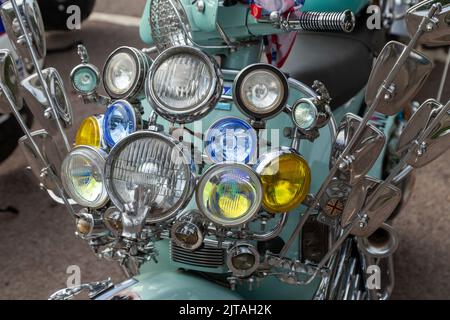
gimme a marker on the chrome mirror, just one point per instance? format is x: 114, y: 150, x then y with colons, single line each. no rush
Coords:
x: 434, y: 141
x: 418, y: 122
x: 49, y: 151
x: 32, y: 20
x: 9, y: 79
x: 373, y: 201
x: 405, y: 85
x: 438, y: 33
x: 362, y: 155
x: 36, y: 99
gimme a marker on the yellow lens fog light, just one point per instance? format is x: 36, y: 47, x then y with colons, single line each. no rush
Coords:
x: 90, y: 132
x: 286, y: 179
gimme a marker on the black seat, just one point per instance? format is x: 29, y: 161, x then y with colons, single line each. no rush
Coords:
x: 341, y: 61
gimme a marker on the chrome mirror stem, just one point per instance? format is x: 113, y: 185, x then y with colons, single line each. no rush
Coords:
x: 39, y: 72
x: 17, y: 115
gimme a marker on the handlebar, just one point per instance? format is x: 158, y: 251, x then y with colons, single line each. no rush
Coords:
x: 344, y: 21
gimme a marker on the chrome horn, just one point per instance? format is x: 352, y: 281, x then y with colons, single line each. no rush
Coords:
x: 381, y: 244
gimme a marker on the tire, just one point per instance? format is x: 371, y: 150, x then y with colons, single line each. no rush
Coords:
x: 54, y: 12
x: 10, y: 133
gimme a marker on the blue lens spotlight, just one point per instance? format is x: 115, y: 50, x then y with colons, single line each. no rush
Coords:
x: 120, y: 121
x: 231, y: 139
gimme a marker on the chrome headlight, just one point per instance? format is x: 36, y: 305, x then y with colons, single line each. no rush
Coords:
x: 82, y: 176
x: 169, y: 24
x: 85, y: 78
x: 243, y: 259
x: 188, y: 231
x: 184, y: 84
x: 9, y: 77
x: 149, y: 170
x: 304, y: 114
x: 120, y: 120
x: 260, y: 91
x: 229, y: 194
x: 124, y: 73
x: 231, y: 139
x: 32, y: 18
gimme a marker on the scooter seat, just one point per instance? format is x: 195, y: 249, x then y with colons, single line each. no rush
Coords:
x: 342, y: 62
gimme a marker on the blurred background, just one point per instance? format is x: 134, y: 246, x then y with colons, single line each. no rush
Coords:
x: 37, y: 243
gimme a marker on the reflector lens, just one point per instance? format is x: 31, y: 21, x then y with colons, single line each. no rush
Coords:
x: 120, y: 73
x: 85, y: 79
x: 119, y: 122
x: 229, y: 195
x: 231, y: 139
x: 82, y: 176
x: 286, y: 181
x: 89, y: 133
x: 304, y: 114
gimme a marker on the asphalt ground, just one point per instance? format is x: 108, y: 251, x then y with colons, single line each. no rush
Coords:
x: 38, y: 244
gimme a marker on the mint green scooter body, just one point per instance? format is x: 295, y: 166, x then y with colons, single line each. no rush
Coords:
x: 164, y: 280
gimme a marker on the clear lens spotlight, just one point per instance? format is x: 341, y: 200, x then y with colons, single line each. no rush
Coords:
x: 304, y: 114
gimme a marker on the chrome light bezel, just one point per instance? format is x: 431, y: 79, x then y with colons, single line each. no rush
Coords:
x: 95, y: 155
x: 220, y: 167
x: 191, y: 114
x: 94, y: 69
x: 142, y: 63
x: 7, y: 61
x: 241, y: 248
x: 193, y: 220
x: 311, y: 104
x: 187, y: 167
x: 32, y: 18
x: 237, y: 86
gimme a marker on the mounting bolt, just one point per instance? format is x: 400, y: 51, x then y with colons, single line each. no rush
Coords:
x: 48, y: 113
x: 430, y: 27
x: 364, y: 221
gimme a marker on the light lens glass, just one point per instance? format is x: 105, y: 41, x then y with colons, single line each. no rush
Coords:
x: 286, y: 180
x: 119, y: 122
x: 305, y: 115
x: 85, y: 79
x: 82, y: 176
x: 182, y: 82
x: 231, y: 139
x: 229, y: 195
x: 262, y: 91
x: 90, y: 132
x: 121, y: 73
x: 147, y: 169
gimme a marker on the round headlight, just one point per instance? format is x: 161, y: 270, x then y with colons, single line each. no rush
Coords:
x: 124, y: 73
x: 9, y: 76
x: 120, y: 120
x: 187, y: 231
x: 148, y: 170
x: 231, y: 139
x: 82, y: 176
x: 260, y: 91
x: 90, y: 132
x: 286, y: 178
x: 184, y: 84
x: 243, y: 259
x: 229, y: 194
x: 85, y: 78
x: 304, y: 114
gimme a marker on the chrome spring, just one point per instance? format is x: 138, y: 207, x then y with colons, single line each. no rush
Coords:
x: 325, y: 21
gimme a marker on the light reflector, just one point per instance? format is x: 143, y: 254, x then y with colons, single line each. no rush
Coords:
x: 120, y: 120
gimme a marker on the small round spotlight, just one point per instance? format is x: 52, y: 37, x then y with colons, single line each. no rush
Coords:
x: 304, y: 114
x: 90, y: 132
x: 187, y: 231
x: 260, y: 91
x: 243, y: 260
x: 120, y: 120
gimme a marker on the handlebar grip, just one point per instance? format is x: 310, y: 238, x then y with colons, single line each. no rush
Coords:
x: 323, y: 21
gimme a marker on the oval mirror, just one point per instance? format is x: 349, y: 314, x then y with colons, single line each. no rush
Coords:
x: 9, y: 78
x: 32, y: 18
x: 436, y: 141
x: 364, y: 153
x: 440, y: 34
x: 406, y: 84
